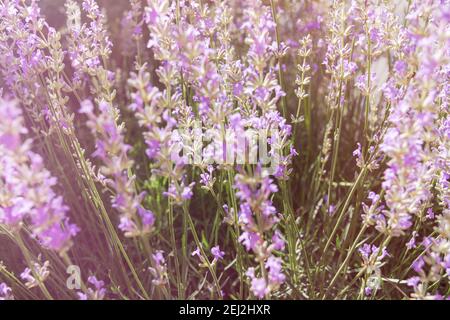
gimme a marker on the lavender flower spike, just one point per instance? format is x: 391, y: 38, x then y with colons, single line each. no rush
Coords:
x: 27, y: 193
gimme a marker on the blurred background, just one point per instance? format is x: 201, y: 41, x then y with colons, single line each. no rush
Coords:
x: 54, y: 10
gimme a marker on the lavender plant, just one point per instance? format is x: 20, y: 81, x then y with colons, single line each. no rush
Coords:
x: 173, y: 149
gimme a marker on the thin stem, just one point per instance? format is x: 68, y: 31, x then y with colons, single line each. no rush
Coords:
x: 204, y: 255
x: 30, y: 264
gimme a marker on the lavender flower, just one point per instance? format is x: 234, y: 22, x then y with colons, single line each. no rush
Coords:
x: 5, y: 292
x: 194, y: 112
x: 408, y: 179
x: 159, y: 271
x: 257, y: 217
x: 112, y: 150
x: 28, y: 188
x: 40, y: 271
x: 217, y: 253
x: 96, y: 292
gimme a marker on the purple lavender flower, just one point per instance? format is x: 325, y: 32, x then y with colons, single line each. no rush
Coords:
x: 217, y: 253
x: 196, y: 252
x: 408, y: 178
x: 259, y: 287
x: 177, y: 110
x: 28, y: 187
x: 372, y: 258
x: 278, y: 242
x: 112, y: 150
x: 159, y: 269
x: 275, y: 275
x: 257, y: 217
x: 40, y: 271
x: 5, y: 292
x: 97, y: 291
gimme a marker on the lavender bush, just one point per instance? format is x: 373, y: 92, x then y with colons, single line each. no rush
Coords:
x: 172, y: 149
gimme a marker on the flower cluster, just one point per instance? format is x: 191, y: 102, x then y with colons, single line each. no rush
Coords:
x: 258, y: 219
x: 36, y: 276
x: 159, y: 271
x: 28, y: 192
x: 96, y: 292
x: 135, y: 220
x: 409, y: 142
x: 163, y: 134
x: 5, y: 292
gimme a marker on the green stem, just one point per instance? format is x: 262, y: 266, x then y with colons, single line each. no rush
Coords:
x: 29, y: 261
x: 205, y: 257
